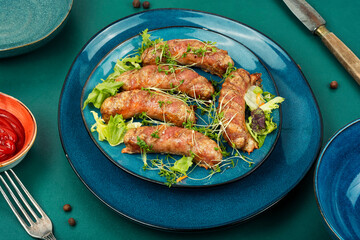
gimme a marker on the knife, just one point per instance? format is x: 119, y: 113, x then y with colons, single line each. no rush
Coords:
x: 316, y: 24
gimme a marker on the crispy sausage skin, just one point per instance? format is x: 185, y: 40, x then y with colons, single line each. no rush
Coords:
x: 175, y: 140
x: 184, y: 51
x: 155, y: 105
x: 185, y: 80
x: 232, y: 104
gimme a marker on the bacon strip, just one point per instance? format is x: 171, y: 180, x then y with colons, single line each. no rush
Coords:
x: 183, y: 80
x: 156, y: 105
x: 232, y: 105
x: 188, y: 52
x: 175, y: 140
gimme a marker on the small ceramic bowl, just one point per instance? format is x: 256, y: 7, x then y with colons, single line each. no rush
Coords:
x: 23, y: 114
x: 27, y: 25
x: 337, y: 182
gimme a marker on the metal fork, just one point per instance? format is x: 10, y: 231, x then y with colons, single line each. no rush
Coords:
x: 42, y: 226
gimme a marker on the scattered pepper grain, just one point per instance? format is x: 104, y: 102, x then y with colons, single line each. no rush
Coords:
x: 146, y: 4
x: 72, y: 222
x: 334, y: 85
x: 136, y: 3
x: 67, y: 208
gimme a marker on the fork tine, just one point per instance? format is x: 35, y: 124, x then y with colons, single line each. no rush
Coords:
x: 23, y: 223
x: 22, y: 197
x: 17, y: 203
x: 36, y: 205
x: 42, y: 226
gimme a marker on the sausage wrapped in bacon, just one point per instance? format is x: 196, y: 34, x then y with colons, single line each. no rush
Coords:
x: 232, y: 105
x: 175, y: 140
x: 183, y: 80
x: 189, y: 52
x: 156, y: 105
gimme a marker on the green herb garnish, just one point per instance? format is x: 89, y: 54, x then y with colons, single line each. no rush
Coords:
x: 110, y: 86
x: 113, y: 131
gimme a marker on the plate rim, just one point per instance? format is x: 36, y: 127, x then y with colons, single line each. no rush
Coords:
x: 315, y: 178
x: 278, y: 130
x: 265, y: 207
x: 9, y: 49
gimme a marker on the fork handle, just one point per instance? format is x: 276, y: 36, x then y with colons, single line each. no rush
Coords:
x: 342, y: 53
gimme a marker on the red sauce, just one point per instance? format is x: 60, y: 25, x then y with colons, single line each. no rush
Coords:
x: 12, y: 135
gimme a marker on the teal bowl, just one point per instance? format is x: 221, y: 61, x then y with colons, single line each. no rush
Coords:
x: 337, y: 182
x: 26, y: 25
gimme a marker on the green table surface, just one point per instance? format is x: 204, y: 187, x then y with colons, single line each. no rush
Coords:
x: 36, y: 79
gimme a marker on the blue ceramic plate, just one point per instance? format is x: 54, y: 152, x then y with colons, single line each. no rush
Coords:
x: 337, y: 182
x: 186, y: 209
x: 199, y: 176
x: 26, y: 25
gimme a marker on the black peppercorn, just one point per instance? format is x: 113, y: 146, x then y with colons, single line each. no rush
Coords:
x: 72, y: 222
x: 334, y: 85
x: 146, y: 4
x: 67, y: 208
x: 136, y: 3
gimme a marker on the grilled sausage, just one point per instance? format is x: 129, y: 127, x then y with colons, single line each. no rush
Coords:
x: 188, y: 52
x: 232, y: 104
x: 183, y: 80
x: 175, y: 140
x: 156, y: 105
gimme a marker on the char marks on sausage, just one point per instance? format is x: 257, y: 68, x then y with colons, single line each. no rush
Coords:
x: 156, y: 105
x: 184, y: 52
x: 175, y: 140
x: 232, y: 104
x: 184, y: 80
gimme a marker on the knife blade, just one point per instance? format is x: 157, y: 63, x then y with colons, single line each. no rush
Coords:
x: 306, y: 14
x: 316, y: 24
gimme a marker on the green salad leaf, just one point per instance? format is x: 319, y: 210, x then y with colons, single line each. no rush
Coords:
x: 102, y: 91
x: 261, y: 104
x: 260, y: 135
x: 146, y: 42
x: 254, y: 97
x: 268, y: 96
x: 114, y: 131
x: 272, y: 104
x: 110, y: 87
x: 182, y: 165
x: 124, y: 65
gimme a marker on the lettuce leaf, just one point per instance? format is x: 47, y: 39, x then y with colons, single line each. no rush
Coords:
x: 101, y: 92
x: 253, y: 97
x: 114, y: 131
x: 110, y: 87
x: 272, y: 104
x: 268, y: 96
x: 146, y: 42
x: 261, y: 104
x: 258, y: 132
x: 124, y: 65
x: 258, y: 120
x: 182, y: 165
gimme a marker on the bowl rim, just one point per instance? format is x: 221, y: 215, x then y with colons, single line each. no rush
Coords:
x: 3, y: 50
x: 315, y: 178
x: 24, y: 151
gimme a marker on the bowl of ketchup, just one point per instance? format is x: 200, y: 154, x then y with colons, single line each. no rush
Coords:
x: 17, y: 131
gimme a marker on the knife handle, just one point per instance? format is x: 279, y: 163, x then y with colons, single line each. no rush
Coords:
x: 343, y: 54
